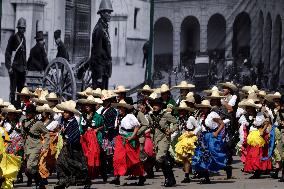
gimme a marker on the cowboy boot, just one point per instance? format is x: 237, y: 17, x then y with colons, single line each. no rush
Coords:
x: 115, y: 181
x: 229, y: 171
x: 274, y: 173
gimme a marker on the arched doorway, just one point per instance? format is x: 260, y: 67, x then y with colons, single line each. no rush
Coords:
x: 163, y: 45
x: 189, y: 41
x: 216, y: 38
x: 276, y: 52
x: 241, y: 37
x: 267, y: 43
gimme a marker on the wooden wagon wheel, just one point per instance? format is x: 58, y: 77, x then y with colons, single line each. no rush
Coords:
x: 86, y: 79
x: 59, y: 78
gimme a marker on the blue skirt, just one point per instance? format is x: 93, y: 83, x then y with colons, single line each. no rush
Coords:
x: 209, y: 154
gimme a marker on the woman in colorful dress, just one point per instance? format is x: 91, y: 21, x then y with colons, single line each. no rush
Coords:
x: 257, y: 141
x: 92, y: 130
x: 210, y: 155
x: 126, y: 159
x: 186, y: 142
x: 13, y: 128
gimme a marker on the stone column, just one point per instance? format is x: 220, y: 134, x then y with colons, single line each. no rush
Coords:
x: 203, y: 30
x: 229, y: 39
x: 254, y: 41
x: 176, y: 38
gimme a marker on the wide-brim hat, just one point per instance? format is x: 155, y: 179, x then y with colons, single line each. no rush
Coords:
x: 209, y: 91
x: 25, y: 92
x: 42, y: 99
x: 190, y: 97
x: 262, y: 93
x: 164, y: 88
x: 3, y: 103
x: 204, y: 104
x: 90, y: 100
x: 55, y: 110
x: 229, y: 85
x: 86, y: 92
x: 121, y: 89
x: 155, y: 99
x: 122, y: 104
x: 271, y: 97
x: 215, y: 95
x: 69, y: 106
x: 11, y: 109
x: 146, y: 88
x: 184, y: 85
x: 106, y: 95
x: 96, y: 93
x: 183, y: 106
x: 249, y: 103
x: 252, y: 95
x: 52, y: 97
x: 44, y: 108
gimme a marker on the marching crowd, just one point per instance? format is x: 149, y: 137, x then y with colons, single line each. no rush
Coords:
x: 104, y: 133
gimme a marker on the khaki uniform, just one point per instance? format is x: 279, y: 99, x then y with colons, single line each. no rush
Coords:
x: 280, y: 142
x: 144, y: 124
x: 34, y: 144
x: 162, y: 141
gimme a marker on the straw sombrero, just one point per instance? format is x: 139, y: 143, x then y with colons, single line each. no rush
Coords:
x: 204, y: 104
x: 209, y: 91
x: 249, y: 103
x: 164, y: 88
x: 229, y: 85
x: 252, y: 95
x: 42, y: 99
x: 262, y: 93
x: 90, y: 100
x: 55, y: 110
x: 96, y: 93
x: 146, y: 88
x: 86, y: 92
x: 183, y: 106
x: 190, y: 97
x: 215, y: 95
x: 44, y: 108
x: 184, y: 85
x: 3, y: 103
x: 255, y: 88
x: 123, y: 104
x: 69, y: 106
x: 52, y: 96
x: 25, y: 92
x: 121, y: 89
x: 271, y: 97
x: 11, y: 109
x: 108, y: 95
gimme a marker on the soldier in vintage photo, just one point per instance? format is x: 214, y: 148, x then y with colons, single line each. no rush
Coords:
x: 15, y: 60
x: 61, y: 49
x: 101, y: 64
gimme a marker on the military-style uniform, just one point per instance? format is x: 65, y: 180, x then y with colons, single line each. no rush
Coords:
x: 62, y: 51
x: 38, y: 58
x: 144, y: 124
x: 34, y: 130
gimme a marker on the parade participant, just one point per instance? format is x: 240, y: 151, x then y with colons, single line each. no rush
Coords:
x: 230, y: 101
x: 166, y: 95
x: 121, y: 92
x: 92, y: 130
x: 164, y: 124
x: 109, y: 114
x: 9, y: 163
x: 52, y: 99
x: 126, y: 158
x: 145, y: 139
x: 184, y: 89
x: 97, y: 93
x: 209, y: 155
x: 3, y: 105
x: 41, y: 100
x: 85, y: 93
x: 38, y: 57
x: 185, y: 146
x: 146, y: 91
x: 35, y: 129
x: 257, y: 141
x: 12, y: 127
x: 15, y: 61
x: 71, y: 165
x: 25, y: 97
x: 47, y: 159
x: 215, y: 101
x: 101, y: 64
x: 61, y: 49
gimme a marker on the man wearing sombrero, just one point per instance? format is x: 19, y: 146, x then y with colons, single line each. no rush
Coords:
x: 25, y: 97
x: 184, y: 89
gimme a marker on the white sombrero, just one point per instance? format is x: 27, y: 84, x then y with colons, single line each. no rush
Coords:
x: 229, y: 85
x: 90, y: 100
x: 249, y: 103
x: 146, y: 88
x: 183, y: 106
x: 52, y: 96
x: 204, y: 104
x: 69, y: 106
x: 25, y: 92
x: 215, y: 95
x: 184, y: 85
x: 11, y: 109
x: 44, y: 108
x: 190, y: 97
x: 121, y: 89
x: 86, y: 92
x: 123, y: 104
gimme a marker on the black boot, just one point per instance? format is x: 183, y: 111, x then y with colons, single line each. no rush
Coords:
x: 256, y: 175
x: 115, y: 181
x: 206, y: 179
x: 30, y: 180
x: 229, y: 171
x: 141, y: 181
x: 282, y: 176
x: 274, y: 173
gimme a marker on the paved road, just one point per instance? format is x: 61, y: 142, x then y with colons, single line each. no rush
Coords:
x: 240, y: 181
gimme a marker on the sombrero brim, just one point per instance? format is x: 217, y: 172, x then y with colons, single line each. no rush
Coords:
x: 64, y: 108
x: 41, y: 110
x: 36, y: 100
x: 214, y: 97
x: 202, y: 106
x: 85, y: 101
x: 124, y: 91
x: 243, y: 105
x: 185, y: 108
x: 231, y: 86
x: 183, y: 87
x: 53, y: 99
x: 6, y: 110
x: 25, y: 94
x: 146, y: 90
x: 127, y: 106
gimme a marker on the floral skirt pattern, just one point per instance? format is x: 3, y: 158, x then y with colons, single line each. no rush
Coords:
x: 210, y: 153
x: 16, y: 146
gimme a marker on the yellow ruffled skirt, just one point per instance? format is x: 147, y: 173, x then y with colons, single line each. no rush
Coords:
x: 9, y: 165
x: 185, y: 147
x: 255, y: 139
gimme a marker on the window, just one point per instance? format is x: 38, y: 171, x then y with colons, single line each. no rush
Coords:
x: 136, y: 10
x: 115, y: 32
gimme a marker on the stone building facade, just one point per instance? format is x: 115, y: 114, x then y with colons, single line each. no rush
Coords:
x: 76, y: 19
x: 238, y: 29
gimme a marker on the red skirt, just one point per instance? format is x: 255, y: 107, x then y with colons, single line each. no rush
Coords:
x: 126, y: 159
x: 254, y: 158
x: 149, y: 146
x: 91, y: 149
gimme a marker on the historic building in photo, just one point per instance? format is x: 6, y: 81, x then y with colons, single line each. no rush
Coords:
x: 129, y: 27
x: 226, y: 29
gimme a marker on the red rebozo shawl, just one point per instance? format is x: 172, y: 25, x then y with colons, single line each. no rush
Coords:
x: 126, y: 158
x: 91, y: 151
x: 149, y: 146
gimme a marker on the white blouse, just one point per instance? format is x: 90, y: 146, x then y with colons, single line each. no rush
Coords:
x: 128, y: 122
x: 210, y: 123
